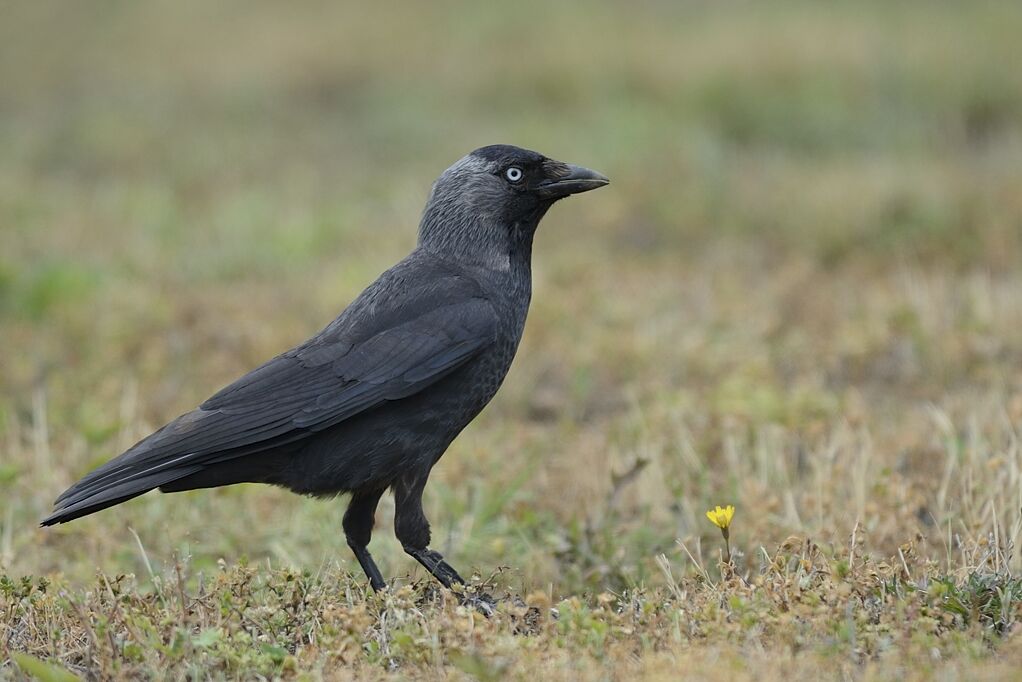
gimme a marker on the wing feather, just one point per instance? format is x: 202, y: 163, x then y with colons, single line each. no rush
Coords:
x: 344, y: 371
x: 410, y: 329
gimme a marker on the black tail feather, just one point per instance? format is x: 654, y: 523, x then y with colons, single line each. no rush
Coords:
x: 87, y: 501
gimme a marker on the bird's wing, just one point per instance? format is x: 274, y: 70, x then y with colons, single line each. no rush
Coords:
x: 388, y: 350
x: 332, y: 378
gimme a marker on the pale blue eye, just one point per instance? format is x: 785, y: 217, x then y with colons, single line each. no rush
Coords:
x: 513, y: 174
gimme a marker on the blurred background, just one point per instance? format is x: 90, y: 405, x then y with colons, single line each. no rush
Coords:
x: 801, y: 294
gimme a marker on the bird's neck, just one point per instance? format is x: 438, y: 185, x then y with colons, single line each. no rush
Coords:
x: 478, y: 242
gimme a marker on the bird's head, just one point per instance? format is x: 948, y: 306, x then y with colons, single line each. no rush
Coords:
x: 489, y: 203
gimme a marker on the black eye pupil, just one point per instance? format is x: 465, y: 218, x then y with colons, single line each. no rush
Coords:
x: 514, y: 174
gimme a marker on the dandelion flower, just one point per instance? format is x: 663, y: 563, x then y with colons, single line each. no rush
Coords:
x: 721, y: 516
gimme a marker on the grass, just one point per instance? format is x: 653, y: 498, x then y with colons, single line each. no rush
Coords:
x: 801, y: 295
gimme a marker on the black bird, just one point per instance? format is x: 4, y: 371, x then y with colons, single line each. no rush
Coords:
x: 373, y: 400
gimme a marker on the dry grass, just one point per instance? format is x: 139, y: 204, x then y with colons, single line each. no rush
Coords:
x: 802, y: 295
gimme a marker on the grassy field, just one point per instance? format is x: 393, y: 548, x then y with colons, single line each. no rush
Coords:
x: 801, y: 295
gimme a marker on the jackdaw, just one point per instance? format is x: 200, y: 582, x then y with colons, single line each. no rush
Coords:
x: 373, y: 400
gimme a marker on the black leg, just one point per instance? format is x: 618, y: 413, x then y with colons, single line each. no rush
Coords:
x: 412, y: 529
x: 358, y: 529
x: 436, y: 565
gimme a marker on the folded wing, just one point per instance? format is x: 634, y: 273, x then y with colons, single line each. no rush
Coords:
x: 359, y: 362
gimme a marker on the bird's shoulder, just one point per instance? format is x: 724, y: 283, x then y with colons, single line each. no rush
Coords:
x: 416, y: 286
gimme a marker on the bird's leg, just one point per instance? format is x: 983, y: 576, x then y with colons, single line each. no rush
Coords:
x: 358, y: 529
x: 412, y: 529
x: 435, y: 564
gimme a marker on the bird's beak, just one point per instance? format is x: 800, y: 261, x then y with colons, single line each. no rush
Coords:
x: 577, y: 179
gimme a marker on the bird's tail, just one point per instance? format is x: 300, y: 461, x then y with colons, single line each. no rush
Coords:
x: 112, y: 484
x: 190, y: 452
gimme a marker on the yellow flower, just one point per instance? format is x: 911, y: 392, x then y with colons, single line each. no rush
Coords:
x: 721, y: 516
